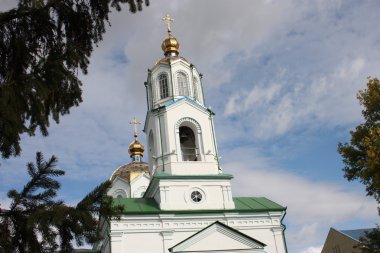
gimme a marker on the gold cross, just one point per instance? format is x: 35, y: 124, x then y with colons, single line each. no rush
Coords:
x: 135, y: 122
x: 168, y: 20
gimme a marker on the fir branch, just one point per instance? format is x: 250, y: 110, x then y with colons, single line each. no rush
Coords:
x: 36, y: 214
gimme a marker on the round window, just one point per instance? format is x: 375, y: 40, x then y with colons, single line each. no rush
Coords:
x: 196, y: 196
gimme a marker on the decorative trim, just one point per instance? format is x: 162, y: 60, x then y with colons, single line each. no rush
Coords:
x: 121, y: 192
x: 190, y: 200
x: 188, y: 119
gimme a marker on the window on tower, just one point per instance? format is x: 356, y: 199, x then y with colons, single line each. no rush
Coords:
x: 188, y: 147
x: 182, y: 84
x: 164, y: 89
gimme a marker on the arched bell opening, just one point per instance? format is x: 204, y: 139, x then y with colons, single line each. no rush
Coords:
x: 187, y: 140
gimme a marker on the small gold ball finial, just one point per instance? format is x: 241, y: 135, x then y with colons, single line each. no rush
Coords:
x: 170, y: 45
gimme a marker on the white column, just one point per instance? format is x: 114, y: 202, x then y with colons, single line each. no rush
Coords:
x: 116, y: 242
x: 166, y: 240
x: 200, y: 146
x: 279, y: 239
x: 164, y: 204
x: 178, y: 145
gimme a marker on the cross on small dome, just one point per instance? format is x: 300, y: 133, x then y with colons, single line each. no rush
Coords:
x: 170, y: 45
x: 136, y: 149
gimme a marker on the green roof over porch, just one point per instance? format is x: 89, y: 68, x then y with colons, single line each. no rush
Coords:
x: 242, y: 204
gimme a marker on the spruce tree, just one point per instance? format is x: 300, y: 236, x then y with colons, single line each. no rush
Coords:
x: 37, y: 221
x: 43, y: 45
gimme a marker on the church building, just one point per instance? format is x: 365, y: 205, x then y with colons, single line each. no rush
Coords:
x: 181, y: 200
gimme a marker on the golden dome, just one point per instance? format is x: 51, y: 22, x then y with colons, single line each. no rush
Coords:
x: 136, y: 148
x: 170, y: 46
x: 130, y: 171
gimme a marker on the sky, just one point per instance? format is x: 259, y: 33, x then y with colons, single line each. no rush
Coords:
x: 282, y: 78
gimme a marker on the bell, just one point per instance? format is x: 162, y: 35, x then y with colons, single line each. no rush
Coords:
x: 183, y: 135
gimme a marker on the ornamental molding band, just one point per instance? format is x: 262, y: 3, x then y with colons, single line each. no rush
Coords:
x: 182, y: 72
x: 188, y: 119
x: 199, y: 223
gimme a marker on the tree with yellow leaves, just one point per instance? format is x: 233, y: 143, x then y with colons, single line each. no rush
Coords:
x: 362, y: 155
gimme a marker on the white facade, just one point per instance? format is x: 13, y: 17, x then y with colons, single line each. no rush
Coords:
x: 188, y: 205
x: 159, y: 233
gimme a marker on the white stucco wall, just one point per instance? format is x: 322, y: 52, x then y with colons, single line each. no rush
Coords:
x: 175, y: 194
x: 139, y: 185
x: 158, y: 233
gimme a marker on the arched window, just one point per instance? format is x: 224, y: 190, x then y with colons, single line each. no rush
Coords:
x: 119, y: 193
x: 164, y: 89
x: 182, y: 84
x: 188, y: 147
x: 195, y: 84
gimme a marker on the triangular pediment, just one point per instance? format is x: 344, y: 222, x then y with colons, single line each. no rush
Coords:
x: 119, y: 180
x: 218, y: 237
x: 141, y: 177
x: 119, y: 186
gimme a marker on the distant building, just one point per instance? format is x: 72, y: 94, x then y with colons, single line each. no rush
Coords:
x: 343, y: 241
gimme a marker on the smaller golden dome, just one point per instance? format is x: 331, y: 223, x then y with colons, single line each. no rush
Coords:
x: 170, y: 46
x: 136, y: 148
x: 130, y: 171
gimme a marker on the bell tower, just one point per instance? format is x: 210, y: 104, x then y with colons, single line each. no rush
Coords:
x: 183, y: 154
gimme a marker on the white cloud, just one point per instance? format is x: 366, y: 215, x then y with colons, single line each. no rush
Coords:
x: 5, y: 202
x: 306, y: 200
x: 273, y: 109
x: 317, y: 249
x: 312, y: 206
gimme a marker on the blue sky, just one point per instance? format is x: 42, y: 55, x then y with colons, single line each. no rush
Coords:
x: 282, y: 77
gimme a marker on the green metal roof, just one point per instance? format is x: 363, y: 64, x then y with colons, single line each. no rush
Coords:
x: 242, y: 204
